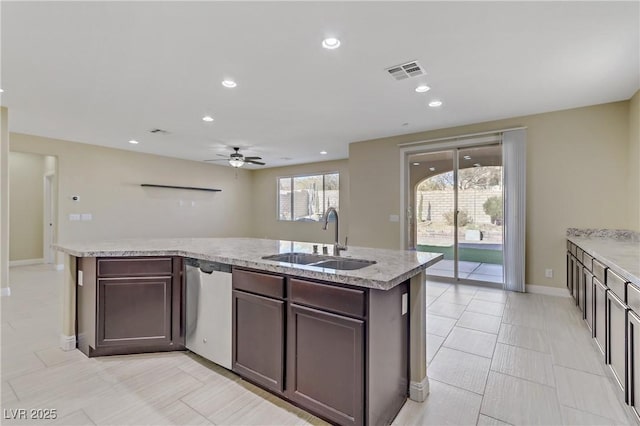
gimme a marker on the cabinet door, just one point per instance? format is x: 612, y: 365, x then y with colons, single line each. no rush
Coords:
x: 576, y: 280
x: 569, y: 273
x: 581, y: 288
x: 599, y: 313
x: 616, y: 337
x: 588, y: 298
x: 633, y: 353
x: 325, y: 370
x: 258, y: 339
x: 134, y: 311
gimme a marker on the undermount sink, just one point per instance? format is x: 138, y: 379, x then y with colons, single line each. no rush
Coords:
x: 320, y: 261
x: 297, y: 258
x: 345, y: 264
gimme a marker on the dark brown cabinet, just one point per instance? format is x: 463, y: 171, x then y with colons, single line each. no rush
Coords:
x: 600, y: 314
x: 326, y: 363
x: 633, y: 357
x: 130, y: 305
x: 258, y: 345
x: 338, y: 351
x: 134, y: 311
x: 617, y: 337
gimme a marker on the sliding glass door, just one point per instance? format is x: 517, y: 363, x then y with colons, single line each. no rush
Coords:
x: 457, y: 210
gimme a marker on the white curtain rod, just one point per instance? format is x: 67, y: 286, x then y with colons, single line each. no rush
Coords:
x: 466, y: 136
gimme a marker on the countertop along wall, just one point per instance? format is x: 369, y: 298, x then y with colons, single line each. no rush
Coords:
x: 108, y: 183
x: 265, y: 220
x: 577, y: 173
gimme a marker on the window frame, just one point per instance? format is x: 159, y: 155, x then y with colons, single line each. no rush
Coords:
x: 292, y: 177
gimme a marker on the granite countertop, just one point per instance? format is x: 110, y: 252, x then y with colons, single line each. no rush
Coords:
x: 620, y: 254
x: 392, y: 267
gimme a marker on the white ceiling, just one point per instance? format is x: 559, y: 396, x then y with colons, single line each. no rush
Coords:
x: 106, y: 72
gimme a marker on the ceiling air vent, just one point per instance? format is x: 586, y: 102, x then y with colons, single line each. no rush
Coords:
x: 158, y: 132
x: 410, y: 69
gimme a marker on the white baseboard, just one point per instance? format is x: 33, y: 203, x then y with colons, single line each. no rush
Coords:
x: 549, y: 291
x: 67, y: 343
x: 5, y: 291
x: 59, y: 267
x: 25, y: 262
x: 418, y: 391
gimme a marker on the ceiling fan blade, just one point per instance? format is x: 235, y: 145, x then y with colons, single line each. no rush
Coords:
x: 260, y: 163
x: 217, y: 159
x: 222, y: 155
x: 252, y: 158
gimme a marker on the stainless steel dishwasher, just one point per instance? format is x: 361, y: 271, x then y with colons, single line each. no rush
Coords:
x: 208, y: 309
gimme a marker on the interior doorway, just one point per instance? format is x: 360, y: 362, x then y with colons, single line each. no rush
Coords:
x: 457, y: 203
x: 49, y: 219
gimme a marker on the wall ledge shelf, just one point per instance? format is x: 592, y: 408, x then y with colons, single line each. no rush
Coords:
x: 191, y: 188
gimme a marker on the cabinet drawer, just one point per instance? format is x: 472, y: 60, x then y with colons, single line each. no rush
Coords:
x: 258, y: 283
x: 633, y: 298
x: 336, y: 299
x: 616, y: 283
x: 573, y: 249
x: 587, y: 261
x: 135, y: 267
x: 579, y: 254
x: 599, y: 270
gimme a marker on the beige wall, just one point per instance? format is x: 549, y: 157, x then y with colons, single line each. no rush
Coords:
x: 265, y: 220
x: 634, y: 162
x: 26, y: 206
x: 576, y: 177
x: 108, y: 184
x: 4, y: 199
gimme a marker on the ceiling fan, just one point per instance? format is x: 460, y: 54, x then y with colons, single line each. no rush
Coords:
x: 238, y: 160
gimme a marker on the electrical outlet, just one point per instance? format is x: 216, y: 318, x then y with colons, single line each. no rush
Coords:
x: 548, y: 273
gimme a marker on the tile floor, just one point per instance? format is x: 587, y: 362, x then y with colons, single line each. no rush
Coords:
x: 477, y: 271
x: 494, y: 358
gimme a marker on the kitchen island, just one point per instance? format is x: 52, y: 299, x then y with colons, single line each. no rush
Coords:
x: 347, y: 345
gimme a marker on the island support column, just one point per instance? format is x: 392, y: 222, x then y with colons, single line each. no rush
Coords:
x: 68, y: 292
x: 419, y: 382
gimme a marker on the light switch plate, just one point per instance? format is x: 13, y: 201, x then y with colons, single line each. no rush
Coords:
x: 74, y: 217
x: 86, y: 216
x: 394, y: 218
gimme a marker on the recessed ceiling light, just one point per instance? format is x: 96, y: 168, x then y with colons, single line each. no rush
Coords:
x: 134, y: 142
x: 416, y: 164
x: 476, y: 165
x: 433, y: 169
x: 331, y: 43
x: 323, y: 152
x: 423, y: 88
x: 207, y: 118
x: 467, y: 157
x: 1, y: 91
x: 434, y: 104
x: 229, y: 83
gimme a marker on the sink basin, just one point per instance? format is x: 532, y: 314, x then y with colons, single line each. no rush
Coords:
x: 297, y: 258
x: 321, y: 261
x: 344, y: 264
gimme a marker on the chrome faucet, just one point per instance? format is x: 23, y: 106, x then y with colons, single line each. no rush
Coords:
x: 337, y: 247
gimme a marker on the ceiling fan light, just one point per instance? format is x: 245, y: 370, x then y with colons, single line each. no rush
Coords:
x: 236, y: 162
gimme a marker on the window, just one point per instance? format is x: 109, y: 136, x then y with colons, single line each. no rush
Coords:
x: 305, y: 198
